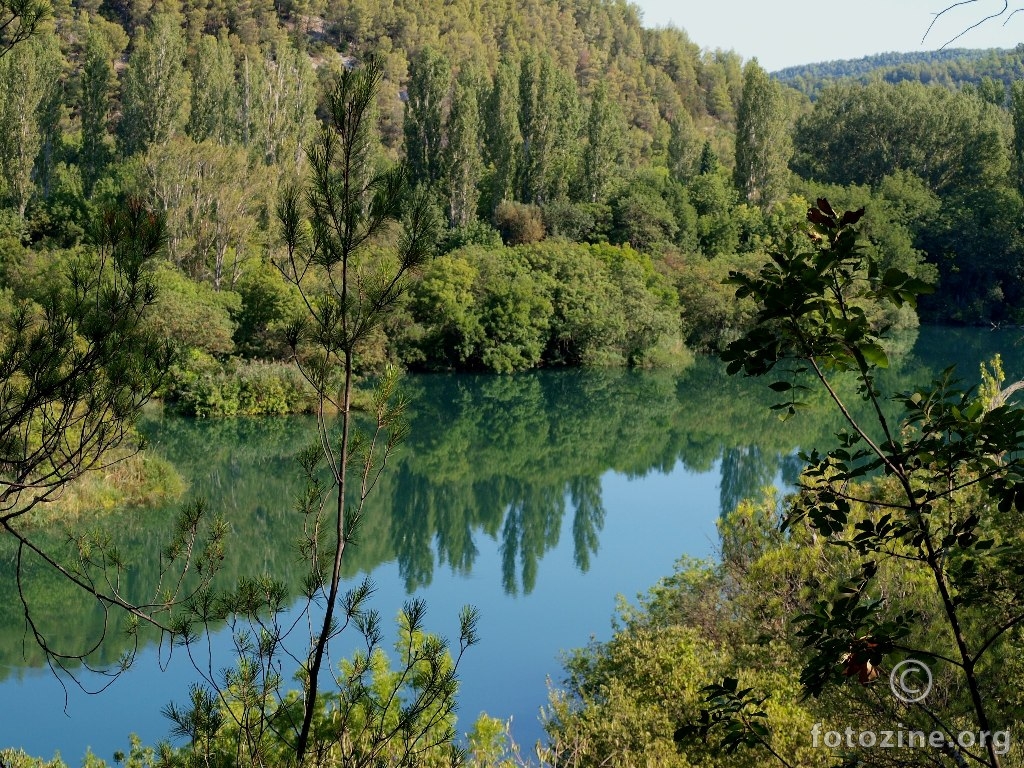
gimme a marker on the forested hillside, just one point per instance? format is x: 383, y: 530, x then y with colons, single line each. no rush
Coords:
x: 594, y: 180
x: 952, y: 68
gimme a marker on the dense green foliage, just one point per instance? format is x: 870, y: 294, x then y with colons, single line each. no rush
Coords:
x: 539, y: 122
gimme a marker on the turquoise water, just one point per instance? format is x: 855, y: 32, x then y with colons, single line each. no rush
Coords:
x: 537, y: 498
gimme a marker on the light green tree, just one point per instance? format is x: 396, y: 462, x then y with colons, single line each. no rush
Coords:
x: 155, y: 88
x: 28, y: 77
x: 214, y: 111
x: 763, y: 145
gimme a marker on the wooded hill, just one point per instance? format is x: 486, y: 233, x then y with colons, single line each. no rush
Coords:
x: 952, y: 68
x: 594, y: 180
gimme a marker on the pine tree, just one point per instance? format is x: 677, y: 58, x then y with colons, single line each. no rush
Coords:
x: 462, y: 159
x: 155, y: 90
x: 429, y: 81
x: 709, y: 162
x: 763, y: 144
x: 19, y: 20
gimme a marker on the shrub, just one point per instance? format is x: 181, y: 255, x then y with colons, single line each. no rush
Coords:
x: 519, y: 223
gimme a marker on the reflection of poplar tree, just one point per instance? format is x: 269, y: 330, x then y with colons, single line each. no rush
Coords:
x: 588, y: 518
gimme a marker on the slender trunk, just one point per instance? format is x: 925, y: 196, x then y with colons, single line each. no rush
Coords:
x: 321, y: 643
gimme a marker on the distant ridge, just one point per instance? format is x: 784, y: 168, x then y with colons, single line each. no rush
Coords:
x: 952, y: 68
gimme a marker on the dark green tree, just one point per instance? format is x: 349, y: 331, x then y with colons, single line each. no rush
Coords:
x: 462, y: 159
x: 95, y: 88
x: 504, y: 138
x: 1017, y: 112
x: 605, y: 135
x: 429, y: 82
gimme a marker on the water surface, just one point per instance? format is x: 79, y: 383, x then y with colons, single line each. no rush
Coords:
x: 537, y: 498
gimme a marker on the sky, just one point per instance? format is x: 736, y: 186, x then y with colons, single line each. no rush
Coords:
x: 783, y: 33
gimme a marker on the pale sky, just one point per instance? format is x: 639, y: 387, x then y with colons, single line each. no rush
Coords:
x: 781, y: 33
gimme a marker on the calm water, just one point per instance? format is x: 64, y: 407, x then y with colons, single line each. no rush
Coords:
x: 537, y: 498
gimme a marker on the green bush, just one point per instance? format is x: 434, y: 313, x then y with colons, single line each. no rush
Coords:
x: 206, y: 388
x: 193, y: 314
x: 550, y: 303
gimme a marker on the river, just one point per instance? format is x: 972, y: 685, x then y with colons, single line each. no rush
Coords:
x: 538, y: 498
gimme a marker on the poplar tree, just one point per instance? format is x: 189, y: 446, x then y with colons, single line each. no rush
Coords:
x: 95, y: 86
x: 1017, y: 112
x: 462, y: 159
x: 288, y: 103
x: 504, y: 138
x: 28, y: 76
x: 549, y: 117
x: 214, y: 111
x: 763, y: 144
x: 604, y: 145
x: 429, y: 82
x: 682, y: 147
x: 155, y: 90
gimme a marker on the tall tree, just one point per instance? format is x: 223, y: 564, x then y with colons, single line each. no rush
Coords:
x: 28, y: 75
x: 683, y: 146
x: 289, y: 100
x: 429, y: 82
x: 504, y: 138
x: 763, y: 145
x: 549, y: 119
x: 95, y: 87
x: 214, y: 111
x: 155, y: 89
x: 350, y: 204
x: 209, y: 199
x: 1017, y: 112
x: 462, y: 159
x: 601, y: 156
